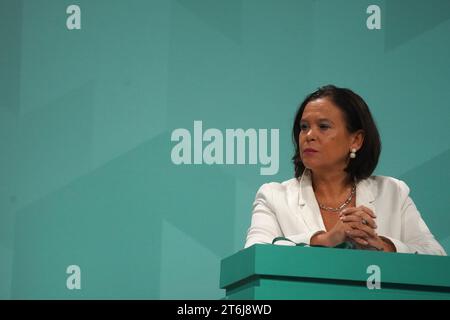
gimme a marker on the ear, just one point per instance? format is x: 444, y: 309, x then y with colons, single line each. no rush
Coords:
x: 357, y: 140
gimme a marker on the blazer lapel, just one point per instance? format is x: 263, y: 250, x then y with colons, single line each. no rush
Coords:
x: 309, y: 208
x: 365, y: 194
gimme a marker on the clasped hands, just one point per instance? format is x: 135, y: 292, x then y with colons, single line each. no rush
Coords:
x: 357, y: 225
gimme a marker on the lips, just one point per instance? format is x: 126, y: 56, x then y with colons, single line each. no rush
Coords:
x: 309, y: 150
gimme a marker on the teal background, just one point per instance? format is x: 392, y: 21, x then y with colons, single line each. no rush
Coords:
x: 86, y: 117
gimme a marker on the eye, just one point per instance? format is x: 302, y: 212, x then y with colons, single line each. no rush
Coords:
x: 303, y: 127
x: 324, y: 126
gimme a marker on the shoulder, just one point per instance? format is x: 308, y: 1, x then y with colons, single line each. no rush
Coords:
x: 277, y: 188
x: 388, y: 185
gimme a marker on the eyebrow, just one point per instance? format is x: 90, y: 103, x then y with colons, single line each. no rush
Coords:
x: 318, y: 120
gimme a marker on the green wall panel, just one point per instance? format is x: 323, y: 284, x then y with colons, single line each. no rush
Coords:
x: 86, y: 118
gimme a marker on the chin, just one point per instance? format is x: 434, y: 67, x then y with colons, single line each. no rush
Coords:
x: 308, y: 163
x: 311, y: 165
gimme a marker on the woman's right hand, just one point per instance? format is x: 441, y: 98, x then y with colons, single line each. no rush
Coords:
x: 337, y: 234
x: 333, y: 237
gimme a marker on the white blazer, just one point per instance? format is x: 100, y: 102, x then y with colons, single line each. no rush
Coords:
x: 289, y: 209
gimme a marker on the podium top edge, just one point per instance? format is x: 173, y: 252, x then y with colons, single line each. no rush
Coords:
x: 334, y: 264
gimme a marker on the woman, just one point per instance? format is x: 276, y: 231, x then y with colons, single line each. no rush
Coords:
x: 333, y: 199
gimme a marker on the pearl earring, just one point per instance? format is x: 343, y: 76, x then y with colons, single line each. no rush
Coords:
x: 353, y: 154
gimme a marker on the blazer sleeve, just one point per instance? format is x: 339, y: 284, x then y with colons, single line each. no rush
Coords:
x: 415, y: 235
x: 264, y: 226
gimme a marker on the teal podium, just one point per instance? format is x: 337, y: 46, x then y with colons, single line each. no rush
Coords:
x: 293, y: 272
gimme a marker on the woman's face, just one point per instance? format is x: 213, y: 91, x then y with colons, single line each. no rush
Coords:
x: 325, y: 142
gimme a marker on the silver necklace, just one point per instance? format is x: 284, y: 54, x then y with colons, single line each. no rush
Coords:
x: 342, y: 206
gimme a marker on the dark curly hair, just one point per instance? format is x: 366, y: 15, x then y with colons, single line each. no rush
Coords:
x: 358, y: 117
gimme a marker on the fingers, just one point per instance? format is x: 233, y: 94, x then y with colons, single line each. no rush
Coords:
x: 351, y: 210
x: 361, y: 231
x: 364, y: 237
x: 359, y: 214
x: 369, y: 244
x: 361, y: 242
x: 362, y: 218
x: 375, y: 243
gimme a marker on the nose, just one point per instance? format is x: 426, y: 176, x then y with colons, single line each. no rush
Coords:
x: 310, y: 135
